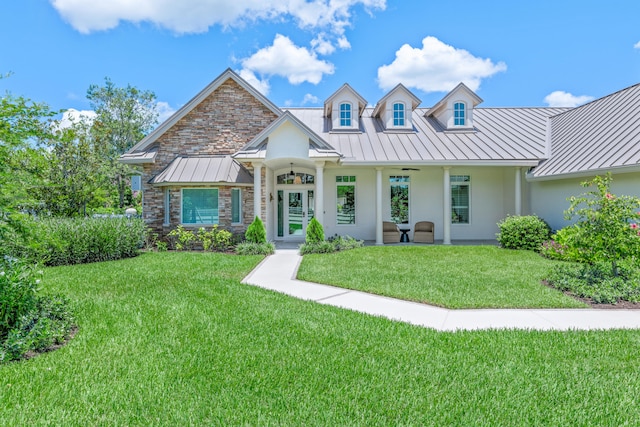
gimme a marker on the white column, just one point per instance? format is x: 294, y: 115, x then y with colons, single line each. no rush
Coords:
x: 269, y: 203
x: 446, y: 208
x: 379, y: 206
x: 518, y: 192
x: 319, y: 196
x: 257, y: 189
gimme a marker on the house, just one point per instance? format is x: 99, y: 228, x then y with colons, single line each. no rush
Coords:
x: 230, y: 154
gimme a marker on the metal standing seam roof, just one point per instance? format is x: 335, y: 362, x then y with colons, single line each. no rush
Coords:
x: 203, y: 170
x: 601, y: 135
x: 500, y: 134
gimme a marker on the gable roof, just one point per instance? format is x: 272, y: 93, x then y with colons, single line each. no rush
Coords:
x: 415, y: 101
x: 461, y: 87
x: 596, y: 137
x: 317, y: 143
x: 328, y: 104
x: 196, y: 100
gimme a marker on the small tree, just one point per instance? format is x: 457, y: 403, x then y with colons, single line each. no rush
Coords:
x: 315, y: 232
x: 256, y: 233
x: 607, y: 224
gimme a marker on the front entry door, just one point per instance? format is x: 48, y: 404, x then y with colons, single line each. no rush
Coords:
x: 299, y: 206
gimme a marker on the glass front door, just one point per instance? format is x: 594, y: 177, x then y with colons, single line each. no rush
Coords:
x: 298, y: 211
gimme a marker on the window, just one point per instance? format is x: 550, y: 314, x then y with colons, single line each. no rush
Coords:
x: 296, y: 178
x: 236, y: 206
x: 399, y: 199
x: 200, y: 206
x: 345, y: 200
x: 167, y: 206
x: 345, y: 114
x: 398, y: 114
x: 460, y: 199
x: 459, y: 114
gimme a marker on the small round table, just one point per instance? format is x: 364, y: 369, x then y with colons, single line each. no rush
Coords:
x: 405, y: 233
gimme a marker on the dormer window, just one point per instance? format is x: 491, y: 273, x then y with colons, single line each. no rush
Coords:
x: 459, y: 114
x: 398, y: 114
x: 345, y: 114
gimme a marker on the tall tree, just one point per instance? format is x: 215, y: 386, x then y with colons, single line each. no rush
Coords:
x: 124, y: 117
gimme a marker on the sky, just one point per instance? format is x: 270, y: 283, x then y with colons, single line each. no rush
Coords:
x: 299, y: 52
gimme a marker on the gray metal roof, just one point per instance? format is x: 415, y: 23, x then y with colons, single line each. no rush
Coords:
x: 501, y: 135
x: 601, y: 135
x: 203, y: 170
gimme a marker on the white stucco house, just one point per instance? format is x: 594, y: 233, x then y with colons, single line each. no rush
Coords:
x: 230, y: 154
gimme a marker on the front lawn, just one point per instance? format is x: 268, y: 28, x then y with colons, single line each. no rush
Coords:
x: 448, y: 276
x: 171, y: 339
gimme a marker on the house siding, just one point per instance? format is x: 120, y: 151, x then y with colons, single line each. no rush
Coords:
x: 223, y: 123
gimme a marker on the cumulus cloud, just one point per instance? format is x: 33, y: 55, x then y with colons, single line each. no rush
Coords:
x: 73, y: 116
x: 197, y: 16
x: 164, y: 111
x: 436, y: 67
x: 637, y: 45
x: 564, y: 99
x: 310, y: 99
x: 283, y: 58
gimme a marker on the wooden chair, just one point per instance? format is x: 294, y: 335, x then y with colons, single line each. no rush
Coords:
x: 423, y: 232
x: 390, y: 232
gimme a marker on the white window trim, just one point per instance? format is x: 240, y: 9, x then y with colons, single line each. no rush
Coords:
x: 355, y: 200
x: 464, y: 111
x: 231, y: 204
x: 408, y: 194
x: 167, y: 206
x: 350, y: 125
x: 404, y: 115
x: 182, y: 207
x: 468, y: 183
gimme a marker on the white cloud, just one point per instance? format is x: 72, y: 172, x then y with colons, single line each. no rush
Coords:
x: 436, y: 67
x: 283, y: 58
x: 637, y: 45
x: 164, y: 111
x: 310, y: 99
x: 196, y: 16
x: 73, y: 116
x: 565, y: 99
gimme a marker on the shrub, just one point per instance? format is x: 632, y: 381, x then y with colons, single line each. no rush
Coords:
x: 29, y: 322
x: 62, y: 241
x: 523, y: 232
x: 607, y: 228
x: 315, y: 232
x: 562, y: 246
x: 256, y: 232
x: 597, y: 282
x: 215, y: 239
x: 181, y: 239
x: 333, y: 244
x: 252, y: 248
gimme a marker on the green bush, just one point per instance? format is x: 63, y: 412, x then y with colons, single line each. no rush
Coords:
x: 29, y: 322
x: 252, y: 248
x: 523, y: 232
x: 256, y: 232
x: 562, y: 246
x: 315, y: 232
x: 63, y: 241
x: 182, y: 239
x: 333, y: 244
x: 215, y: 239
x: 597, y: 281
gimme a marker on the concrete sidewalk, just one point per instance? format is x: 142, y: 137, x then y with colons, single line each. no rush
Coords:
x: 277, y: 272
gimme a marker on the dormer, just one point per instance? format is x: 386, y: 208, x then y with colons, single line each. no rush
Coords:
x: 395, y: 109
x: 344, y: 108
x: 455, y: 110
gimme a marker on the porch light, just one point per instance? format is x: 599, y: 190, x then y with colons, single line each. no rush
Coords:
x: 291, y: 174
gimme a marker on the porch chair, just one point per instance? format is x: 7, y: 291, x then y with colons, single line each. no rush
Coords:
x: 423, y: 232
x: 390, y: 232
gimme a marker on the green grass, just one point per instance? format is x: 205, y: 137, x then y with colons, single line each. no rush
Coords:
x: 447, y: 276
x: 174, y: 339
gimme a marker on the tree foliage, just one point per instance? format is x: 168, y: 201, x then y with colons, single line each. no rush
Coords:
x: 124, y: 117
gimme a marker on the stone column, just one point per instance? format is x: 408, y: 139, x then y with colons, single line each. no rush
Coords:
x: 518, y: 184
x: 379, y: 206
x: 257, y: 189
x: 319, y: 196
x: 446, y: 223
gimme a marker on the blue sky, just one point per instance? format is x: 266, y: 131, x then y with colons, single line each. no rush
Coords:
x: 299, y: 52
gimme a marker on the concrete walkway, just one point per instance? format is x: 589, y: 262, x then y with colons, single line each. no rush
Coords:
x: 277, y: 272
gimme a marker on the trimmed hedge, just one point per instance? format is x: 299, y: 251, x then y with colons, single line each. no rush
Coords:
x: 523, y: 232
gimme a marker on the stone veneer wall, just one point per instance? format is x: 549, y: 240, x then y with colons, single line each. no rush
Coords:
x: 223, y: 123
